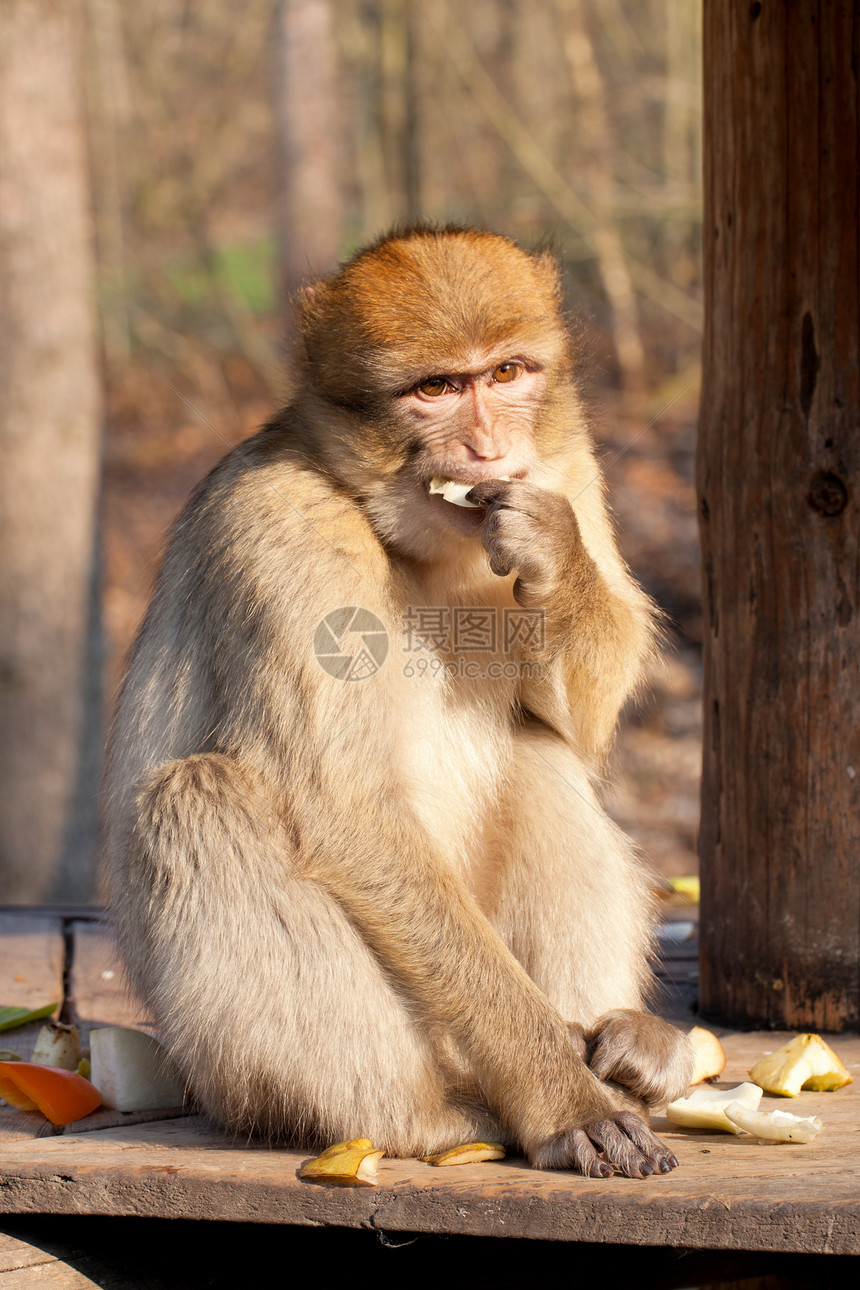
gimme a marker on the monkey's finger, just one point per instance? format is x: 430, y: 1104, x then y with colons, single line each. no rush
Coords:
x: 647, y: 1142
x: 512, y: 524
x: 492, y: 492
x: 531, y: 593
x: 502, y: 546
x: 577, y: 1036
x: 501, y: 559
x: 516, y: 495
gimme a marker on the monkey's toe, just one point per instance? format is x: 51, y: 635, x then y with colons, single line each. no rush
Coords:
x: 647, y: 1142
x: 621, y: 1144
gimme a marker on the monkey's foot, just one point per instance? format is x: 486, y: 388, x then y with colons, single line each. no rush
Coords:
x: 619, y: 1144
x: 470, y: 1153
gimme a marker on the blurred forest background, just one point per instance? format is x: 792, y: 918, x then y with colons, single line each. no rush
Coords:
x: 170, y: 171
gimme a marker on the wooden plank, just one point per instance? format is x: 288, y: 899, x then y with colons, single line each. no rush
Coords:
x: 729, y: 1193
x: 98, y: 993
x: 31, y: 961
x: 16, y: 1255
x: 106, y: 1118
x: 31, y: 975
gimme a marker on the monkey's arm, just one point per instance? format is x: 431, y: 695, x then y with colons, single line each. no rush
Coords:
x: 598, y: 624
x: 415, y: 913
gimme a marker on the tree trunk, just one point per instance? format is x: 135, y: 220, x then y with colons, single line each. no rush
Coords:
x: 307, y: 117
x: 779, y: 485
x: 50, y: 433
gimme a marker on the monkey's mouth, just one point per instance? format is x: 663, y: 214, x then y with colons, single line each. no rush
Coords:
x: 454, y: 491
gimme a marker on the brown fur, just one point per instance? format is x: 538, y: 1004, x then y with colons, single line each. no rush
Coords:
x: 372, y: 908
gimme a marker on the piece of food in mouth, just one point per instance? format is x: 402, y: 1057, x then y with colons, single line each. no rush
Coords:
x: 455, y: 492
x: 709, y: 1060
x: 804, y: 1062
x: 774, y: 1126
x: 346, y: 1164
x: 705, y: 1108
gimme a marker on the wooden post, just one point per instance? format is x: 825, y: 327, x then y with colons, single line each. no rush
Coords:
x: 308, y: 126
x: 779, y: 499
x: 50, y: 450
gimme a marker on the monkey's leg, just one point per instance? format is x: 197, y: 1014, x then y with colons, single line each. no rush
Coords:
x: 412, y: 909
x: 572, y: 901
x: 272, y: 1004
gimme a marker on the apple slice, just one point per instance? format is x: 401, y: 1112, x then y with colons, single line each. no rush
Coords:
x: 132, y: 1071
x: 705, y: 1108
x: 709, y: 1060
x: 774, y: 1126
x: 58, y: 1045
x: 804, y: 1062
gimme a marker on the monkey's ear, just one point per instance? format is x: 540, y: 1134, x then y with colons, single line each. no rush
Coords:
x: 547, y: 263
x: 309, y: 306
x: 308, y: 298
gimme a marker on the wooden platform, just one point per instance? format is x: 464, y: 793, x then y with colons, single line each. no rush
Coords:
x: 728, y: 1194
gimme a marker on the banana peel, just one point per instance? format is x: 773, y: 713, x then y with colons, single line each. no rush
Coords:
x: 346, y: 1164
x: 804, y: 1062
x: 470, y: 1153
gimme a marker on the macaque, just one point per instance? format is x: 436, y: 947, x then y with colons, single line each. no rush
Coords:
x: 386, y: 902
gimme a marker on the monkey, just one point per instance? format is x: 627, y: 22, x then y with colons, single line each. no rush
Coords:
x: 388, y: 903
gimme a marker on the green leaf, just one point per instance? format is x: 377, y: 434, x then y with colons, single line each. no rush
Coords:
x: 10, y: 1018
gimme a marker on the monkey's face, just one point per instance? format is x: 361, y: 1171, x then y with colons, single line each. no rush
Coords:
x: 469, y: 426
x: 438, y: 353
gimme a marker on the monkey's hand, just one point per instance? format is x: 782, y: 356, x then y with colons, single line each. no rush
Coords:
x: 616, y: 1144
x: 642, y: 1053
x: 536, y: 533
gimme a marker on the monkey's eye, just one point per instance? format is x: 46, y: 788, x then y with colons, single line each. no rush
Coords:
x: 433, y: 387
x: 507, y: 372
